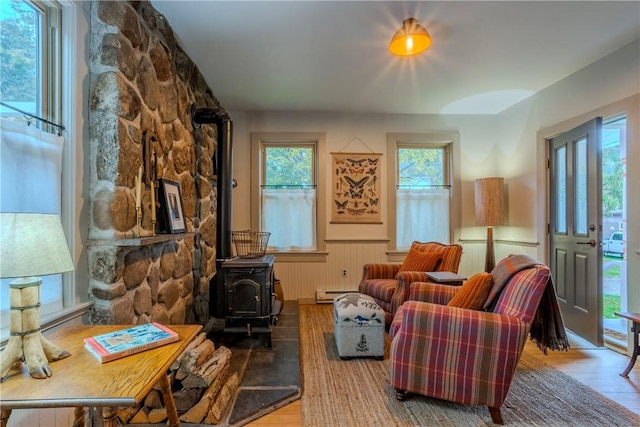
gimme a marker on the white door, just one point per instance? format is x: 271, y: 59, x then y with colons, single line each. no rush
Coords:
x: 575, y: 227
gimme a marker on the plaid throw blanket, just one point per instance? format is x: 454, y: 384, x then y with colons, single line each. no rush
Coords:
x: 547, y: 328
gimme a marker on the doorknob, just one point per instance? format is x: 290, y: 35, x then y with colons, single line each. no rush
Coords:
x: 591, y: 243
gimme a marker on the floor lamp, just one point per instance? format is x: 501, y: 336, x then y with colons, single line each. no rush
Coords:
x: 30, y: 245
x: 489, y: 202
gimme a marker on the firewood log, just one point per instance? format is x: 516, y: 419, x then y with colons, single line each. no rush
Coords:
x: 126, y: 413
x: 205, y: 373
x: 186, y: 398
x: 153, y: 400
x: 221, y: 404
x: 140, y: 417
x: 157, y: 415
x: 193, y: 344
x: 200, y: 410
x: 195, y: 357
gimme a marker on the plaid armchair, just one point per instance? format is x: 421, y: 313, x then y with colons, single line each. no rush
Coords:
x: 390, y: 288
x: 463, y: 355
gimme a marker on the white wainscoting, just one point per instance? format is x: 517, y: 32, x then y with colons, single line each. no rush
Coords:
x: 300, y: 280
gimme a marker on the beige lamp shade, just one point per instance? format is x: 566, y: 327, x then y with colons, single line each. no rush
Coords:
x: 411, y: 39
x: 32, y: 245
x: 489, y: 201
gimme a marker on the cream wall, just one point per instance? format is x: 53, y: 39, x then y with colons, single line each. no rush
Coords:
x: 608, y: 87
x: 490, y: 145
x: 477, y: 147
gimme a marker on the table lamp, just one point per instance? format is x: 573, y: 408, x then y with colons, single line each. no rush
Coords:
x: 30, y: 245
x: 489, y: 197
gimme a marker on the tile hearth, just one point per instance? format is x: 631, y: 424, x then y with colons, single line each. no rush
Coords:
x: 271, y: 378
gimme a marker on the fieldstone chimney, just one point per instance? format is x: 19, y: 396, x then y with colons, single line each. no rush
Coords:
x: 142, y: 85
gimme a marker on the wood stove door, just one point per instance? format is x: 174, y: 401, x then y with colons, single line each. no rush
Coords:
x: 244, y: 298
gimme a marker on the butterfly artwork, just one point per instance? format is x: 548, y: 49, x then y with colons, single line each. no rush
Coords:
x: 359, y: 162
x: 356, y: 171
x: 355, y: 177
x: 356, y: 194
x: 341, y: 206
x: 356, y: 212
x: 356, y: 184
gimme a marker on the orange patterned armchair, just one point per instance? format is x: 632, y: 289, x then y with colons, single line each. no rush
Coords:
x: 470, y: 356
x: 389, y: 284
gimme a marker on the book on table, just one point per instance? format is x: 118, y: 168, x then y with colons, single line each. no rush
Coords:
x: 125, y: 342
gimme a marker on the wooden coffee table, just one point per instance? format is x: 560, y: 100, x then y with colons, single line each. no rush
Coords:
x: 81, y: 381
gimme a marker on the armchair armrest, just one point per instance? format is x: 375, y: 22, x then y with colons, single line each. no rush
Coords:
x: 405, y: 279
x: 435, y: 346
x: 379, y: 271
x: 435, y: 293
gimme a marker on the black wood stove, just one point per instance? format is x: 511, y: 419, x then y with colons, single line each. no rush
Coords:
x: 248, y: 290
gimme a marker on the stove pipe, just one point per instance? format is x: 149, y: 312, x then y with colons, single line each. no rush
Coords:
x: 224, y: 167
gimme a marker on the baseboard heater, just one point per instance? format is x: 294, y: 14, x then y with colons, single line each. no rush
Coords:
x: 326, y: 296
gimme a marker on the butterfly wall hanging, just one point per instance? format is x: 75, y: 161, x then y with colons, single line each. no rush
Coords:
x: 356, y: 188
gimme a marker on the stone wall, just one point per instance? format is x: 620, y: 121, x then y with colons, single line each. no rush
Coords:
x: 142, y: 84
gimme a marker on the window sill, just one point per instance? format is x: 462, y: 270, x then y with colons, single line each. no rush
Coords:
x: 300, y: 256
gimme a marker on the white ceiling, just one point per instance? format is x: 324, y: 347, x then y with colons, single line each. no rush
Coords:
x: 332, y: 55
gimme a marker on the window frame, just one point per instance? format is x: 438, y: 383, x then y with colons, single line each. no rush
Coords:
x: 449, y: 140
x: 259, y: 140
x: 63, y: 104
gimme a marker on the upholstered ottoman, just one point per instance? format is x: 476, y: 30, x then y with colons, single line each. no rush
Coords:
x: 358, y: 326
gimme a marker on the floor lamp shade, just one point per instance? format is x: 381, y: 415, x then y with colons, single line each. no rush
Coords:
x: 489, y: 203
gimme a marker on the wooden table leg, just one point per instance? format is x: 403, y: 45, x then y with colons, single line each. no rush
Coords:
x: 4, y: 417
x: 635, y: 328
x: 169, y: 403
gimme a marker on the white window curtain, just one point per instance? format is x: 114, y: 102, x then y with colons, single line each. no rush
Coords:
x: 289, y: 215
x: 30, y: 181
x: 422, y: 215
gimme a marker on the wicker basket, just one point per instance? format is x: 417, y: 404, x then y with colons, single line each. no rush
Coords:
x: 250, y: 244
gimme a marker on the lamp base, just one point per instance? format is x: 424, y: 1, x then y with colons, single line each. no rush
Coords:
x: 26, y: 342
x: 489, y: 258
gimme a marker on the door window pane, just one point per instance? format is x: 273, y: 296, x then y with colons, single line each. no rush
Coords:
x: 561, y: 189
x: 581, y: 193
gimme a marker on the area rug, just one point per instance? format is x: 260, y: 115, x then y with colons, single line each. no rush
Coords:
x: 357, y: 392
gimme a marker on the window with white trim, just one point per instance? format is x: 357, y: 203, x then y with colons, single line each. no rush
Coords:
x: 287, y: 194
x: 31, y: 69
x: 420, y: 181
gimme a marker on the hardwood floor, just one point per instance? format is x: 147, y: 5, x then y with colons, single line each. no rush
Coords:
x: 598, y: 368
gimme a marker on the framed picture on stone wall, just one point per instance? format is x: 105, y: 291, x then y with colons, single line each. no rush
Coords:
x: 171, y: 202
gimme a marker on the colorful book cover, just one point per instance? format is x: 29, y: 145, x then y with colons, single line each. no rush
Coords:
x: 125, y: 342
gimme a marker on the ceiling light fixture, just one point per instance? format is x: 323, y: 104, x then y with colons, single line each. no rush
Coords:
x: 411, y: 39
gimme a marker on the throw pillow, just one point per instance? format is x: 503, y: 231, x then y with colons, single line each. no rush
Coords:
x: 474, y: 292
x: 421, y: 261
